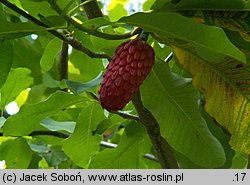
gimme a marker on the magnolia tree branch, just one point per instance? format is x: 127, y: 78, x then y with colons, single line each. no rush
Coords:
x: 70, y: 40
x: 91, y: 30
x: 163, y: 149
x: 63, y: 65
x: 49, y: 133
x: 91, y: 10
x: 127, y: 115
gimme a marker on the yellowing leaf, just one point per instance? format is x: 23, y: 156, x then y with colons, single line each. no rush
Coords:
x: 117, y: 12
x: 231, y: 20
x: 226, y: 87
x: 22, y: 97
x: 113, y: 3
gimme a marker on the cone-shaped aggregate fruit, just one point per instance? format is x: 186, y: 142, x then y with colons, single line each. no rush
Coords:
x: 128, y: 68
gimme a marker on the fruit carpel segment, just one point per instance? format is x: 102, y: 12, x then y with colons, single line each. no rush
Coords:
x: 128, y: 68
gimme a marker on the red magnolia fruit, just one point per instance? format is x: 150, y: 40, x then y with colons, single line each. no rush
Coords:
x: 126, y: 71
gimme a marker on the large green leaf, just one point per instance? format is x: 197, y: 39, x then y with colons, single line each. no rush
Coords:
x: 54, y: 157
x: 240, y: 160
x: 232, y: 16
x: 226, y: 88
x: 78, y: 87
x: 238, y: 41
x: 17, y: 154
x: 89, y: 67
x: 49, y: 54
x: 2, y: 121
x: 11, y: 30
x: 147, y: 5
x: 82, y: 144
x: 53, y: 125
x: 221, y: 135
x: 134, y: 144
x: 54, y: 21
x: 108, y: 124
x: 36, y: 94
x: 18, y: 79
x: 103, y: 45
x: 205, y: 39
x: 202, y: 4
x: 33, y: 114
x: 36, y: 8
x: 97, y: 22
x: 34, y: 163
x: 233, y: 21
x: 6, y: 57
x: 2, y: 13
x: 27, y: 54
x: 117, y: 12
x: 185, y: 163
x: 49, y: 81
x: 174, y: 103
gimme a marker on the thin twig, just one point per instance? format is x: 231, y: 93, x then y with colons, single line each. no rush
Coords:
x: 70, y: 40
x: 49, y: 133
x: 108, y: 144
x: 90, y: 30
x: 127, y: 115
x: 162, y: 148
x: 64, y: 61
x: 169, y: 57
x: 151, y: 157
x: 112, y: 145
x: 122, y: 114
x: 46, y: 133
x: 73, y: 10
x: 91, y: 8
x: 94, y: 96
x: 4, y: 114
